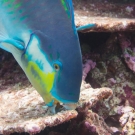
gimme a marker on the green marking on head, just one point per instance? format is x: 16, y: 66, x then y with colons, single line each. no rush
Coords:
x: 5, y: 1
x: 12, y: 0
x: 20, y: 11
x: 9, y: 5
x: 17, y: 5
x: 65, y: 7
x: 23, y: 18
x: 11, y: 12
x: 8, y: 2
x: 50, y: 46
x: 51, y: 57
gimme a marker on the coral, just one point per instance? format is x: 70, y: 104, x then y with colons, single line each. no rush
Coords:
x: 99, y: 73
x: 89, y: 97
x: 115, y: 130
x: 127, y: 120
x: 21, y: 110
x: 111, y: 71
x: 129, y: 9
x: 89, y: 64
x: 95, y: 124
x: 128, y: 50
x: 108, y: 16
x: 115, y: 76
x: 90, y: 124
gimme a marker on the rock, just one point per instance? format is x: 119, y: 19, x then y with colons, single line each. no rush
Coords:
x: 108, y: 16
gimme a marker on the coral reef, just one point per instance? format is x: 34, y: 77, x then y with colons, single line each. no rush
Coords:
x: 127, y: 120
x: 87, y: 67
x: 128, y: 49
x: 89, y: 123
x: 120, y: 80
x: 116, y: 71
x: 110, y: 71
x: 22, y: 111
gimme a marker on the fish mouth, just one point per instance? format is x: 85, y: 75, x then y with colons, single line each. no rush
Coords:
x: 63, y: 100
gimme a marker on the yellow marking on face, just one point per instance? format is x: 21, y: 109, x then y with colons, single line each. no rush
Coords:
x: 43, y: 82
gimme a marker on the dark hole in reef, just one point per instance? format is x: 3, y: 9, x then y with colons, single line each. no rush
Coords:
x: 113, y: 121
x: 94, y: 39
x: 101, y: 47
x: 93, y: 45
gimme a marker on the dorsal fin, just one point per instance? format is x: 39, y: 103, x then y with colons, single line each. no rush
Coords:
x: 69, y: 9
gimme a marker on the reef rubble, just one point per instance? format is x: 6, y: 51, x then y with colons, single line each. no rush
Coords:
x: 127, y: 120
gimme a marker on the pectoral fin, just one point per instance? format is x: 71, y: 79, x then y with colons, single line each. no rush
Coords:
x: 10, y: 45
x: 88, y: 26
x: 6, y: 42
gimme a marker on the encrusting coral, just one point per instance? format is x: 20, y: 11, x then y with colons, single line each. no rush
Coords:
x: 22, y: 111
x: 127, y: 120
x: 128, y: 49
x: 108, y: 15
x: 88, y: 123
x: 89, y: 64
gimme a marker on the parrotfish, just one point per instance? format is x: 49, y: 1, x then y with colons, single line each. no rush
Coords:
x: 42, y: 37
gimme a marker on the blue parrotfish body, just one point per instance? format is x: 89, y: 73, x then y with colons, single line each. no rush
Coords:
x: 42, y: 37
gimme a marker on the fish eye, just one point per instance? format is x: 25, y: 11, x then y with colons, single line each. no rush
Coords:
x: 56, y: 67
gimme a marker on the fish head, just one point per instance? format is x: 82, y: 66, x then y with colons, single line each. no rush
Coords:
x: 68, y: 78
x: 64, y: 59
x: 67, y: 64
